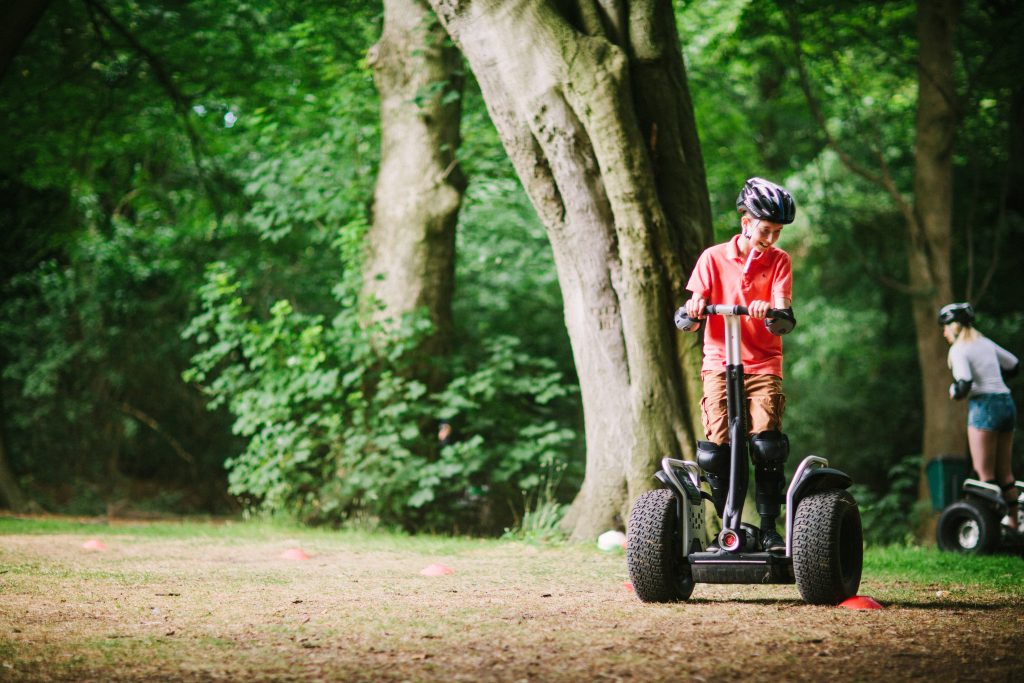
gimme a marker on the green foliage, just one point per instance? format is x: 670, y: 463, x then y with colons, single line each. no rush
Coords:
x: 128, y: 168
x: 70, y: 335
x: 141, y: 146
x: 886, y: 516
x: 336, y: 429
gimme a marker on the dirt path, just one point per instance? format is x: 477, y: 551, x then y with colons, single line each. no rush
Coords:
x: 223, y: 609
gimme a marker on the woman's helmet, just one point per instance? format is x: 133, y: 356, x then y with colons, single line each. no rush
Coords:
x: 962, y: 313
x: 766, y: 201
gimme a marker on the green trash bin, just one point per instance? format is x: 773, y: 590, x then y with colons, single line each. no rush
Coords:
x: 946, y: 474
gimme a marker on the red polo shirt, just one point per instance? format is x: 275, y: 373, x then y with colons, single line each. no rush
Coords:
x: 718, y: 277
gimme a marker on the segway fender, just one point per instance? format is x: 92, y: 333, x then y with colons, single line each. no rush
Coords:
x: 989, y: 493
x: 689, y: 501
x: 691, y: 492
x: 820, y: 479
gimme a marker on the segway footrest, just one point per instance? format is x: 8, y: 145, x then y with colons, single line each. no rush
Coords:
x: 721, y: 567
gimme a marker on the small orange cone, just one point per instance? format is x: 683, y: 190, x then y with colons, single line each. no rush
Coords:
x: 627, y: 585
x: 436, y: 570
x: 94, y: 544
x: 294, y: 554
x: 860, y: 602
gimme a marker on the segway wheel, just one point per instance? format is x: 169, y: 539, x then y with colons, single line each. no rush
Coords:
x: 828, y: 547
x: 657, y: 569
x: 966, y: 527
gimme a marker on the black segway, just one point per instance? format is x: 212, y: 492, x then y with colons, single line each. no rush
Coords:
x: 668, y: 549
x: 975, y: 524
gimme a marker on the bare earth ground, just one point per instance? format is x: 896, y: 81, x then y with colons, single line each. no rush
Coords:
x: 216, y: 607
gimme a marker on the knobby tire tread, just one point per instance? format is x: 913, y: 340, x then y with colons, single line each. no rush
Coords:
x: 827, y: 566
x: 656, y: 569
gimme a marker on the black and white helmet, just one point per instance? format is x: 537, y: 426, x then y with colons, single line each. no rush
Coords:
x: 962, y: 313
x: 766, y: 201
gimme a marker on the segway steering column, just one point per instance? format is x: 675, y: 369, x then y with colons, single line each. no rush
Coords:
x: 731, y: 537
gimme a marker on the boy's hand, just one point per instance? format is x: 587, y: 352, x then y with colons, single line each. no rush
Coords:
x: 695, y: 308
x: 758, y: 309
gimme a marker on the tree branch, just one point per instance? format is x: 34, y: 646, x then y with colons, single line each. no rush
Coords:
x: 884, y: 179
x: 180, y: 102
x: 150, y: 422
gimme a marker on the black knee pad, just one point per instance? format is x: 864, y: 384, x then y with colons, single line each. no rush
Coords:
x: 769, y: 450
x: 713, y: 457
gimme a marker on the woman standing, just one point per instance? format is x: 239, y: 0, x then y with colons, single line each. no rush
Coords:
x: 980, y: 367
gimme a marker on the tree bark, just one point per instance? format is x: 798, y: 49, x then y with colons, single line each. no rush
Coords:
x: 591, y: 103
x: 410, y: 261
x: 945, y: 423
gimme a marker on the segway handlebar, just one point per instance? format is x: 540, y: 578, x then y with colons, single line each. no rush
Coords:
x: 782, y: 320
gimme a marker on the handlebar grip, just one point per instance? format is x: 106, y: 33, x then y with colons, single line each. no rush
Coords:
x: 684, y: 322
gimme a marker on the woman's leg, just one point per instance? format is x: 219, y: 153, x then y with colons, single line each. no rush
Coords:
x: 1004, y: 472
x: 983, y: 444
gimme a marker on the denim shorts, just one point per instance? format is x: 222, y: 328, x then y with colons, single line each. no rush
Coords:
x: 992, y: 412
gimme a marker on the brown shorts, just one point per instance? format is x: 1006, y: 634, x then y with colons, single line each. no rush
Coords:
x: 765, y: 405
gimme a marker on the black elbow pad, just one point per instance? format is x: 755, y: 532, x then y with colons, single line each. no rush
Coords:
x: 959, y: 389
x: 1011, y: 373
x: 783, y: 322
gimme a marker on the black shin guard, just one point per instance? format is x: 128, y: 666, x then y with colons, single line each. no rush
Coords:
x: 769, y: 451
x: 714, y: 461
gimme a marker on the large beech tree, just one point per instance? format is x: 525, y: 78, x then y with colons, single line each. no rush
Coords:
x: 592, y: 106
x: 411, y: 244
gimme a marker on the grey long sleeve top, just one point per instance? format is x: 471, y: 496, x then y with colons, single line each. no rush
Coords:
x: 980, y: 362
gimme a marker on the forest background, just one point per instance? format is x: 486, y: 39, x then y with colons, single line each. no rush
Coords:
x: 186, y: 193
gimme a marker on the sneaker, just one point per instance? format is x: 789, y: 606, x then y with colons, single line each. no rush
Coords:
x: 772, y: 541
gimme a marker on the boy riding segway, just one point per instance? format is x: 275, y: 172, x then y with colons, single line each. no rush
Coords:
x: 748, y: 270
x: 743, y: 289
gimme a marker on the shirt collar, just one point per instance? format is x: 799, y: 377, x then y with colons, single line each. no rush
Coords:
x: 734, y: 248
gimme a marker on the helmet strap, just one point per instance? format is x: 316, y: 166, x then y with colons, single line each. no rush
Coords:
x: 747, y: 235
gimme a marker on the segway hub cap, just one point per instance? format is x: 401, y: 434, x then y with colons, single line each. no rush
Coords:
x: 968, y: 534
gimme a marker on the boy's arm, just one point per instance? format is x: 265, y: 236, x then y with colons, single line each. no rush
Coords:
x: 782, y: 285
x: 700, y: 284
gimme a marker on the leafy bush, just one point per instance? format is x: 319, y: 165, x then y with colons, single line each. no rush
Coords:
x: 337, y: 428
x: 888, y: 517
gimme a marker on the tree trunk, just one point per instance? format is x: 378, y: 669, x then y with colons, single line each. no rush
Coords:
x: 591, y: 103
x: 410, y: 262
x: 945, y: 428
